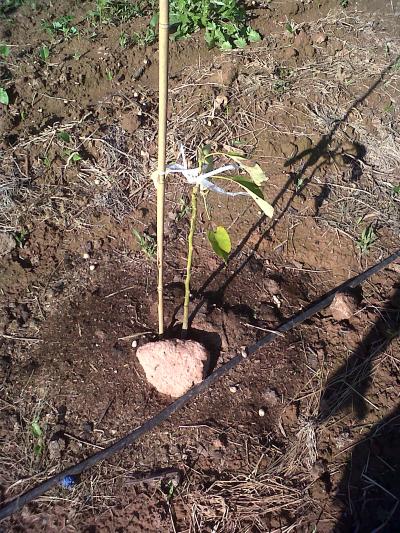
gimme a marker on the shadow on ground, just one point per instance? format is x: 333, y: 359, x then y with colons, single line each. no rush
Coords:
x: 369, y: 490
x: 312, y: 160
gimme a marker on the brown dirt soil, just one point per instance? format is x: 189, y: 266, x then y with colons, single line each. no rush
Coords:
x: 304, y: 435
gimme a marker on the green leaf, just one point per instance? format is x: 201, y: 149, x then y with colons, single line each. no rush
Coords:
x: 4, y: 50
x: 253, y: 36
x: 64, y: 136
x: 44, y: 53
x: 396, y: 189
x: 154, y: 20
x: 4, y: 99
x: 36, y: 429
x: 240, y: 42
x: 38, y: 449
x: 220, y: 242
x: 254, y: 191
x: 76, y: 157
x: 251, y: 167
x: 225, y: 45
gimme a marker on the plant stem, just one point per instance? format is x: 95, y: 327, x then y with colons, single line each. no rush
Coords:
x: 162, y: 140
x: 185, y: 323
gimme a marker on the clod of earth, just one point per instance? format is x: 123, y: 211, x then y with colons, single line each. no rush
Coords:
x: 7, y: 244
x: 174, y: 366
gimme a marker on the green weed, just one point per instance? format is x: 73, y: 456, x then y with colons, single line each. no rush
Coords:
x: 4, y: 50
x: 184, y: 209
x: 64, y: 136
x: 291, y: 26
x: 44, y: 53
x: 282, y: 83
x: 21, y: 237
x: 147, y: 243
x: 145, y: 38
x: 109, y: 75
x: 396, y: 190
x: 62, y: 25
x: 344, y: 3
x: 37, y: 433
x: 119, y: 11
x: 4, y: 98
x: 123, y: 39
x: 367, y: 239
x: 224, y: 21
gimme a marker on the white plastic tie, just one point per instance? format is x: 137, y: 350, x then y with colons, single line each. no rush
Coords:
x: 195, y: 177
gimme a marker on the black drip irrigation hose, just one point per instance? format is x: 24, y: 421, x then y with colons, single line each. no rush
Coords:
x: 17, y: 503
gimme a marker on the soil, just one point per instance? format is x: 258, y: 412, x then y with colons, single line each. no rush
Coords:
x: 302, y: 436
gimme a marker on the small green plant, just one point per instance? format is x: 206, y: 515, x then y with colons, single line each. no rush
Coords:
x: 64, y: 136
x: 291, y: 27
x: 109, y: 75
x: 4, y: 50
x: 184, y: 209
x: 123, y: 40
x: 344, y: 3
x: 389, y: 107
x: 119, y: 11
x: 62, y: 25
x: 44, y: 53
x: 20, y: 238
x: 396, y: 190
x: 76, y: 56
x: 202, y: 176
x: 367, y: 239
x: 147, y: 243
x: 4, y: 98
x: 282, y: 83
x: 224, y: 22
x: 71, y: 156
x: 170, y: 490
x: 37, y: 433
x: 145, y: 38
x: 47, y: 161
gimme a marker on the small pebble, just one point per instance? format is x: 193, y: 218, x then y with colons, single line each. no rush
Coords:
x: 134, y: 344
x: 233, y: 389
x: 261, y: 412
x: 92, y: 267
x: 86, y: 256
x: 97, y: 182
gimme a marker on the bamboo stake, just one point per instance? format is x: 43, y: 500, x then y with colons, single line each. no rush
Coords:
x: 185, y: 322
x: 162, y: 144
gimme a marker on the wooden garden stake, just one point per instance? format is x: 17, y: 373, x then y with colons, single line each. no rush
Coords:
x: 162, y: 142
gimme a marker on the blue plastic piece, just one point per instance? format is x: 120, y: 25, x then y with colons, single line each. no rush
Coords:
x: 68, y: 482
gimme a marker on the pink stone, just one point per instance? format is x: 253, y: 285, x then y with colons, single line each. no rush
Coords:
x: 174, y: 366
x: 344, y: 306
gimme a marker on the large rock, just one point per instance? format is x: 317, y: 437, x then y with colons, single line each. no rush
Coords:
x: 174, y: 366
